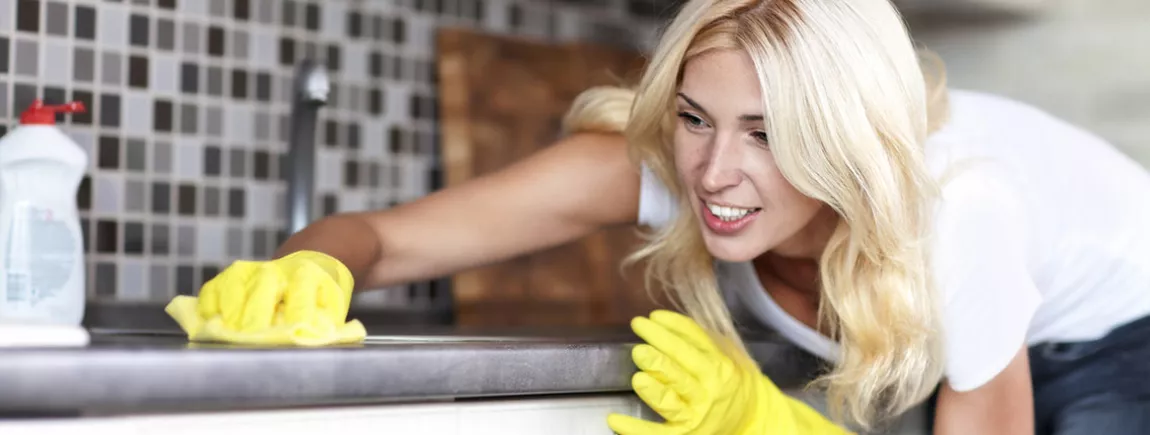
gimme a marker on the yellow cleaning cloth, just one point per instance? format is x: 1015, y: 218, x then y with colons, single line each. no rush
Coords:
x: 298, y: 300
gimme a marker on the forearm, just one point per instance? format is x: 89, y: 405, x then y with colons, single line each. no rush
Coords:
x: 348, y: 238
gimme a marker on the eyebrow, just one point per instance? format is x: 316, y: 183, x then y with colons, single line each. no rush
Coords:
x: 692, y: 103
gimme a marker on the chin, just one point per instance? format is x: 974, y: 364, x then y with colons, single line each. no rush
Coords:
x: 731, y: 249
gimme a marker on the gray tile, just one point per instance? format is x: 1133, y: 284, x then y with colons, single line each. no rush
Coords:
x: 112, y: 68
x: 215, y: 121
x: 107, y: 195
x: 240, y: 43
x: 160, y: 282
x: 57, y: 18
x: 261, y: 243
x: 161, y: 157
x: 215, y: 81
x: 218, y: 8
x: 112, y: 25
x: 212, y: 201
x: 265, y: 11
x: 262, y: 126
x: 137, y: 154
x: 189, y: 119
x: 161, y: 239
x: 137, y: 118
x: 235, y: 242
x: 185, y: 240
x: 26, y: 58
x: 105, y: 280
x: 131, y: 286
x: 3, y: 99
x: 165, y: 34
x: 238, y: 163
x: 84, y: 65
x: 135, y: 197
x: 57, y: 63
x: 193, y: 34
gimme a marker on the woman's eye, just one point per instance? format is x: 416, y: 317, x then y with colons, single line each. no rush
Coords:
x: 760, y: 136
x: 692, y: 120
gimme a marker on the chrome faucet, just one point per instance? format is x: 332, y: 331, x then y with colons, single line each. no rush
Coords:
x: 310, y: 93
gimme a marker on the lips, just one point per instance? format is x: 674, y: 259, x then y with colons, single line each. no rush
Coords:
x: 726, y: 219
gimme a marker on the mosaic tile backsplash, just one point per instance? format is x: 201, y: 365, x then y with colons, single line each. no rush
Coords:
x: 189, y: 101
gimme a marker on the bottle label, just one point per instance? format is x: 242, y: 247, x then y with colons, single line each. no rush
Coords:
x: 38, y: 260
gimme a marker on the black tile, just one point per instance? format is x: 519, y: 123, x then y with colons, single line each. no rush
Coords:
x: 375, y: 101
x: 209, y: 272
x: 54, y: 95
x: 185, y: 275
x: 261, y: 165
x: 162, y: 116
x: 106, y: 236
x: 399, y: 31
x: 133, y: 238
x: 28, y: 15
x: 352, y: 138
x: 86, y: 97
x: 375, y: 64
x: 287, y: 52
x: 350, y: 173
x: 84, y: 193
x: 108, y: 152
x: 239, y: 84
x: 331, y: 133
x: 242, y: 9
x: 480, y: 10
x: 4, y: 44
x: 186, y: 195
x: 161, y: 198
x: 138, y: 30
x: 168, y: 4
x: 435, y: 178
x: 85, y: 22
x: 354, y: 24
x: 415, y: 106
x: 189, y: 78
x: 212, y: 161
x: 236, y: 202
x: 333, y: 57
x: 330, y: 204
x: 395, y: 140
x: 215, y: 41
x: 288, y: 13
x: 3, y: 130
x: 312, y: 16
x: 109, y: 110
x: 22, y: 97
x: 161, y: 239
x: 263, y: 87
x: 85, y: 234
x: 138, y: 71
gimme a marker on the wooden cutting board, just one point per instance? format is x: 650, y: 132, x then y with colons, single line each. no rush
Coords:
x: 502, y: 98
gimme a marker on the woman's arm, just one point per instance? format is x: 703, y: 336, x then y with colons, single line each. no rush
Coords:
x: 557, y: 195
x: 1005, y: 405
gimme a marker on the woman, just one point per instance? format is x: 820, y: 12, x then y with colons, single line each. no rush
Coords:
x: 797, y: 162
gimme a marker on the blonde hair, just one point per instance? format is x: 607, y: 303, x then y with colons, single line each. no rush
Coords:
x: 849, y: 69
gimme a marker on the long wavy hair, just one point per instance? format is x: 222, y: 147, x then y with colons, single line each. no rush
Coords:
x: 848, y: 104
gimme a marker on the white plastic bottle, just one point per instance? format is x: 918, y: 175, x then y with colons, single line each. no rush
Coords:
x: 42, y: 278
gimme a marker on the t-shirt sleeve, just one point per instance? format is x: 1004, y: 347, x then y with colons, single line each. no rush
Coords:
x: 657, y: 206
x: 980, y: 258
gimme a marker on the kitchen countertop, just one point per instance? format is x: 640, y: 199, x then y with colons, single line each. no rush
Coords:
x: 134, y: 371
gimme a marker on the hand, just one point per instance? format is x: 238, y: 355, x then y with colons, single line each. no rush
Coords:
x: 301, y: 298
x: 698, y: 389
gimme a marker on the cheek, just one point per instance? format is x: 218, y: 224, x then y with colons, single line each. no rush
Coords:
x: 689, y: 156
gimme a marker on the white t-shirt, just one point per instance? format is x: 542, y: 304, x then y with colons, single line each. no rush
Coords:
x: 1042, y: 235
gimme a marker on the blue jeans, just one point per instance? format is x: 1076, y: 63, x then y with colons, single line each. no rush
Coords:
x: 1099, y: 387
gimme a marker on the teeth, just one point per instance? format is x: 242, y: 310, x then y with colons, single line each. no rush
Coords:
x: 728, y: 214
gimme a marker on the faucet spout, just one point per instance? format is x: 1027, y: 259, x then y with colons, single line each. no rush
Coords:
x: 311, y: 88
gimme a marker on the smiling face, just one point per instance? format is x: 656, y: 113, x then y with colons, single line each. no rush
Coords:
x: 744, y: 204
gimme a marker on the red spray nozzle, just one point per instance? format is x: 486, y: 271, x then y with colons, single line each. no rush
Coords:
x: 40, y: 114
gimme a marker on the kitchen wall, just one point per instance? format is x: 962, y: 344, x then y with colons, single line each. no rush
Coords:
x: 188, y: 115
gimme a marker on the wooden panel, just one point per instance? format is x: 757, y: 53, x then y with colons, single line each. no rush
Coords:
x: 501, y: 99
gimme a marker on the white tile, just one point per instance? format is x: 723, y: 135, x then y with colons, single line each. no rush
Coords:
x: 328, y: 170
x: 194, y: 7
x: 189, y: 155
x: 238, y: 124
x: 260, y: 204
x: 569, y: 24
x: 137, y: 119
x: 165, y: 72
x: 264, y: 48
x: 6, y: 19
x: 112, y: 25
x: 132, y: 285
x: 83, y: 137
x: 421, y: 35
x: 107, y: 194
x: 373, y: 138
x: 355, y: 62
x: 57, y: 63
x: 212, y: 240
x: 352, y: 201
x: 495, y: 16
x: 333, y: 22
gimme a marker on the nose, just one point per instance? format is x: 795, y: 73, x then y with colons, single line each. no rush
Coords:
x: 721, y: 168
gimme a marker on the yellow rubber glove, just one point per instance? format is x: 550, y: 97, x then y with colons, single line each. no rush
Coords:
x: 699, y: 390
x: 299, y: 299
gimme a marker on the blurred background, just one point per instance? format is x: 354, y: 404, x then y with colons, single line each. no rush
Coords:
x: 190, y: 131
